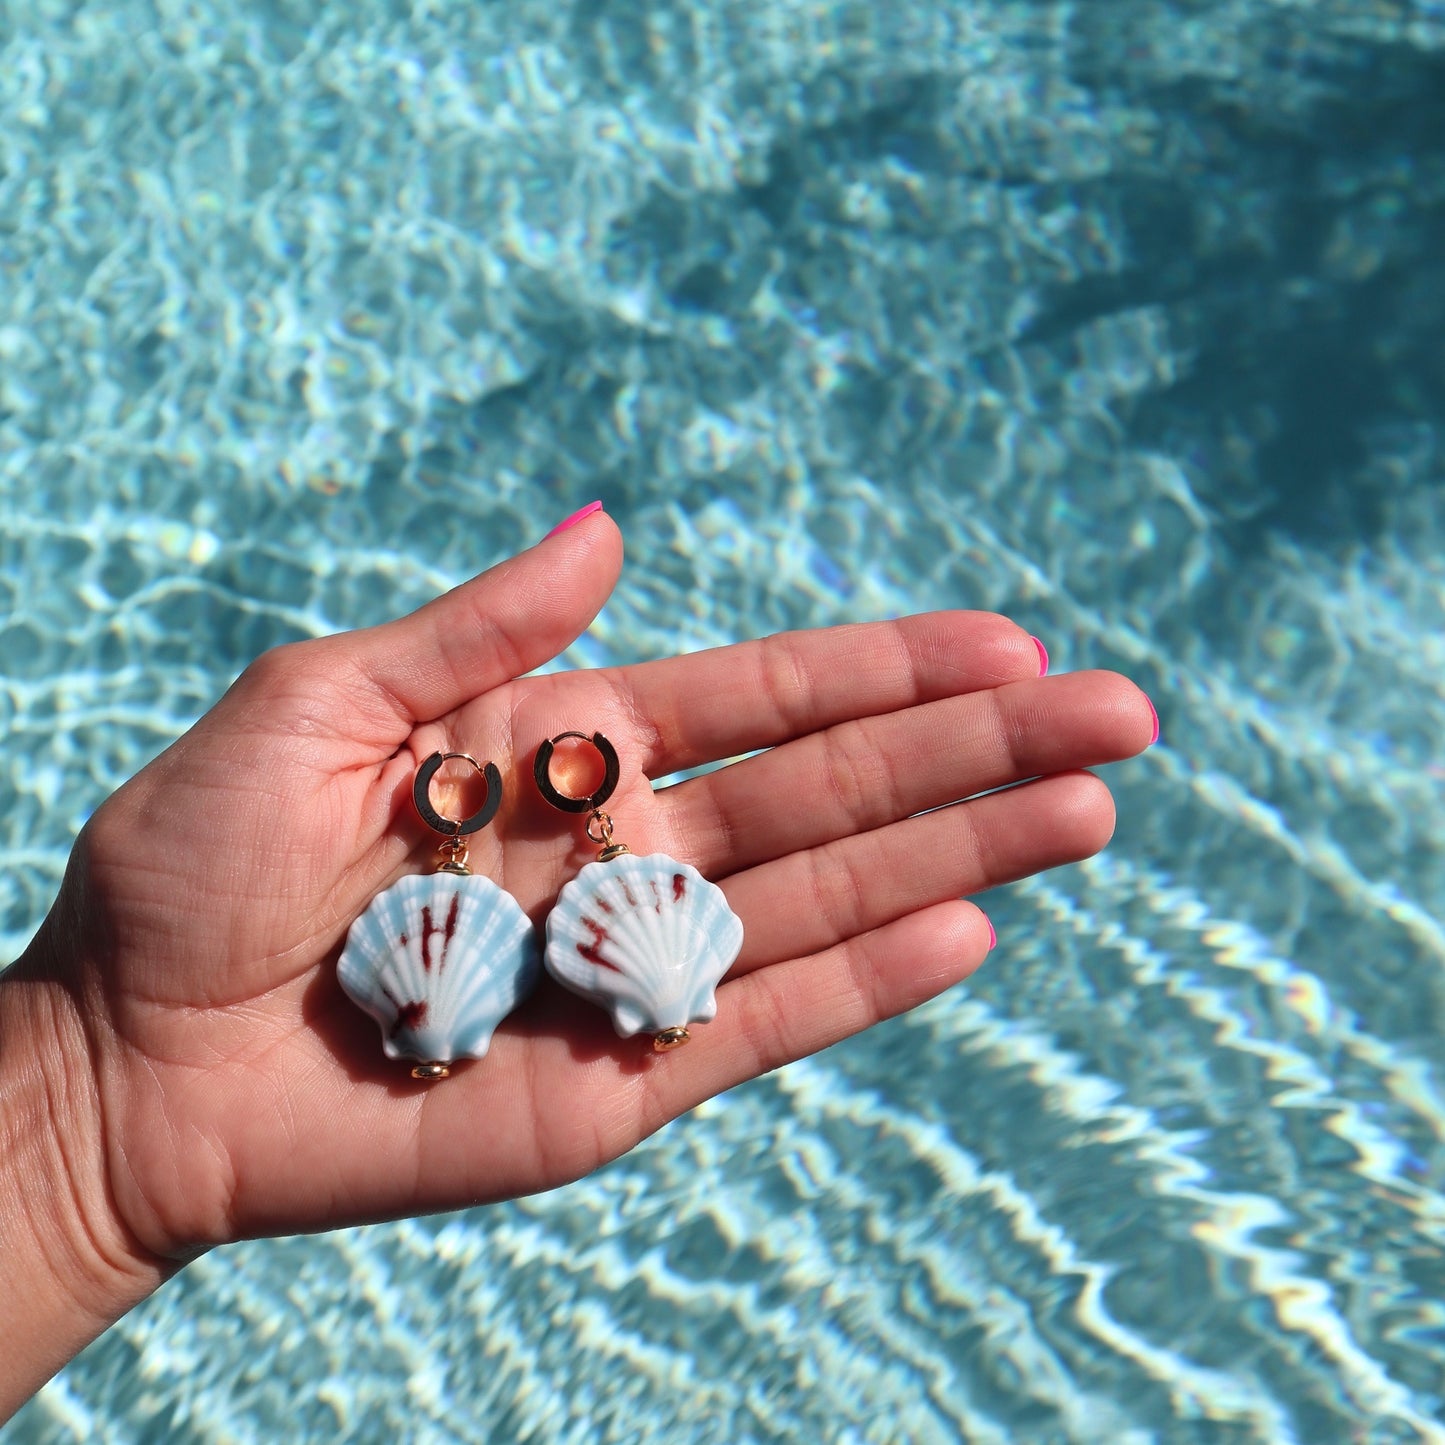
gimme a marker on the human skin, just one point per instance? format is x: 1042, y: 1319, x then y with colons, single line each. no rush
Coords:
x: 179, y: 1067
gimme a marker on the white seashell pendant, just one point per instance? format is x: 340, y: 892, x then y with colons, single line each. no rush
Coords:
x: 649, y: 939
x: 438, y: 960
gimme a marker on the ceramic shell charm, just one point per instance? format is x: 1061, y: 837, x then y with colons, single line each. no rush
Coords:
x: 439, y: 959
x: 649, y: 939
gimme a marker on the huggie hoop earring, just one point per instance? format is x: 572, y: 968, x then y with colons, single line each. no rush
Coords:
x: 647, y: 938
x: 599, y: 825
x: 452, y: 854
x: 439, y: 959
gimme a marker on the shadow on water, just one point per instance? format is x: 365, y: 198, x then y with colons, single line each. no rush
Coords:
x: 1294, y: 258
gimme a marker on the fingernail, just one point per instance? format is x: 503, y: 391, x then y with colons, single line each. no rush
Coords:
x: 576, y: 517
x: 1154, y: 736
x: 1043, y: 656
x: 992, y: 936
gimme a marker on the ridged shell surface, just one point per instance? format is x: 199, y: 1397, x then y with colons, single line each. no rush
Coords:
x: 438, y: 960
x: 647, y: 938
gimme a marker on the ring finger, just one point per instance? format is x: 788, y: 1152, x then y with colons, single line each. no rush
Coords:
x: 820, y: 897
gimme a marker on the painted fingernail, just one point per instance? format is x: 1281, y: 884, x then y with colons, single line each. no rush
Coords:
x: 1153, y: 712
x: 576, y: 517
x: 992, y: 936
x: 1043, y: 656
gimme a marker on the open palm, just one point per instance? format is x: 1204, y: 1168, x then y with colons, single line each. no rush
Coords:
x: 241, y: 1093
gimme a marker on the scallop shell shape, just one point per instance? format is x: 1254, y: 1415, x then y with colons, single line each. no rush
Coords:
x: 438, y: 960
x: 647, y: 938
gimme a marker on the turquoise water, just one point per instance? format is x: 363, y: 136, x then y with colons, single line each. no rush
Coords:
x: 1123, y: 319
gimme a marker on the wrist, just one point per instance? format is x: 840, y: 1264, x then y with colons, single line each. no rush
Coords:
x: 70, y: 1266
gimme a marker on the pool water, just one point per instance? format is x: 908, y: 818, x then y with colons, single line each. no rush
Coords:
x: 1123, y: 319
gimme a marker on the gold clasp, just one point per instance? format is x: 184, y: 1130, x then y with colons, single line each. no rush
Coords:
x: 599, y: 830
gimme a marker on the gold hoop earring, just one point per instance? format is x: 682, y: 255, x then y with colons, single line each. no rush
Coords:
x: 647, y: 938
x: 439, y: 959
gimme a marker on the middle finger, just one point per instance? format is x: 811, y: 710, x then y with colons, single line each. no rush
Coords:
x: 864, y: 774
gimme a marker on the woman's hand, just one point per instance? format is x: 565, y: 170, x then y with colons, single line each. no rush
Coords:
x: 205, y: 1076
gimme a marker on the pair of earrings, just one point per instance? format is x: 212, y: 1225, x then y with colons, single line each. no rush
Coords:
x: 439, y: 959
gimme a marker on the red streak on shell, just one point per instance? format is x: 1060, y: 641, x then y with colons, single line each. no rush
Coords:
x: 428, y: 929
x: 591, y: 951
x: 408, y: 1015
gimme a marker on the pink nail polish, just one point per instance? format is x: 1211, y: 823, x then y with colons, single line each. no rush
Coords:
x: 576, y: 517
x: 1043, y: 656
x: 1154, y: 736
x: 992, y: 936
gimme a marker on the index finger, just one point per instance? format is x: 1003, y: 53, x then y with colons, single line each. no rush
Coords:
x: 711, y: 705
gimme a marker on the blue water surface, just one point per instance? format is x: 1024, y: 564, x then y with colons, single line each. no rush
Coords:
x: 1122, y: 318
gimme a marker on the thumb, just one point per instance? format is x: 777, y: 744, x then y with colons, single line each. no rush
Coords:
x: 499, y: 625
